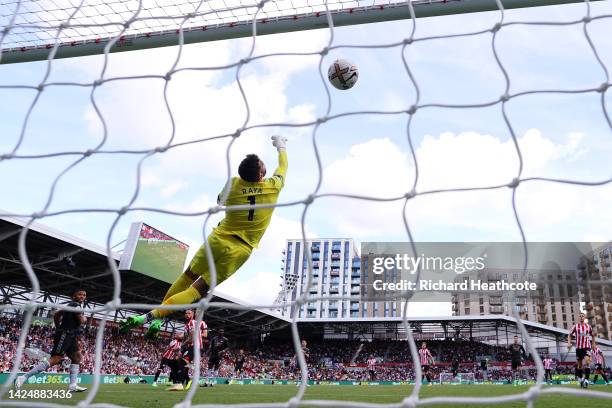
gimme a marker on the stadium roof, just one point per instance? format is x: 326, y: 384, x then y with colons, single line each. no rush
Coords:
x: 63, y: 263
x: 476, y: 325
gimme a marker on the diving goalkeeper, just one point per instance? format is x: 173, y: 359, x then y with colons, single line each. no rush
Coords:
x: 232, y: 241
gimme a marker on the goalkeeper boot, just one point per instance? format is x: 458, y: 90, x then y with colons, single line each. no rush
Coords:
x: 153, y: 330
x: 132, y: 322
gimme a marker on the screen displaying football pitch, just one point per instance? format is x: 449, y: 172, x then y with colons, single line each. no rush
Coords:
x: 153, y: 253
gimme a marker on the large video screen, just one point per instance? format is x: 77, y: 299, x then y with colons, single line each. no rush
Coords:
x: 153, y: 253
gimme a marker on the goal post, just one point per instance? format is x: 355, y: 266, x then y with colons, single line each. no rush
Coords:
x: 31, y: 38
x: 460, y: 378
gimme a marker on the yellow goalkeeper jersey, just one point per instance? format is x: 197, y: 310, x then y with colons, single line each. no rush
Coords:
x: 250, y: 225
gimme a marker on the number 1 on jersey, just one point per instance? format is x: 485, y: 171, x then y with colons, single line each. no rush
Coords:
x: 251, y: 211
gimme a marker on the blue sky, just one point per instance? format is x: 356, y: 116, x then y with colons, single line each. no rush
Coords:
x: 563, y: 136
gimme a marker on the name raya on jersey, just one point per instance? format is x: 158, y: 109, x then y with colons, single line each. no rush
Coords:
x: 247, y: 224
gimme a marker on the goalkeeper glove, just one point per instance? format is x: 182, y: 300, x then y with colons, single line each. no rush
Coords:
x: 279, y: 142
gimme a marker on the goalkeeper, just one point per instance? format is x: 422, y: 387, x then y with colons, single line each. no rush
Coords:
x: 232, y: 241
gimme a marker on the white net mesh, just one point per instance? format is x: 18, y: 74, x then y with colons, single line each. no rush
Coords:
x: 29, y: 23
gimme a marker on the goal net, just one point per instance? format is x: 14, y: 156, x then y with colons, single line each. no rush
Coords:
x: 424, y: 86
x: 460, y: 378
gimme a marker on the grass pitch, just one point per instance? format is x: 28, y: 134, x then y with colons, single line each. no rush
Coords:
x: 146, y: 396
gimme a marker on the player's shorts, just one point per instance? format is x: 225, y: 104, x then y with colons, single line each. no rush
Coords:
x: 214, y: 362
x: 188, y: 353
x: 598, y: 367
x: 166, y: 362
x: 515, y: 364
x: 64, y: 343
x: 238, y: 366
x: 229, y: 253
x: 425, y: 368
x: 372, y: 373
x: 582, y: 353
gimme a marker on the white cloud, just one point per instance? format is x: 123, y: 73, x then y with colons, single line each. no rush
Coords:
x: 260, y: 288
x: 171, y: 189
x: 379, y: 168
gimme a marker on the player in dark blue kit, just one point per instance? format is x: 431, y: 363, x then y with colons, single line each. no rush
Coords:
x: 65, y: 343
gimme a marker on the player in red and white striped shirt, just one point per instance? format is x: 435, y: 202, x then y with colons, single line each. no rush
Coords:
x: 548, y: 366
x: 372, y: 367
x: 193, y: 336
x: 584, y: 340
x: 426, y: 359
x: 169, y: 359
x: 600, y: 361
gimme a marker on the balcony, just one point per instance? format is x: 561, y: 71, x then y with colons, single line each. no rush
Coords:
x: 495, y: 301
x: 336, y: 248
x: 315, y: 248
x: 496, y: 309
x: 334, y: 272
x: 355, y: 281
x: 355, y: 290
x: 333, y: 306
x: 335, y: 256
x: 333, y: 289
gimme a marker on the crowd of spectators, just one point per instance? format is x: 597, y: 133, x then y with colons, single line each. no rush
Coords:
x: 330, y: 360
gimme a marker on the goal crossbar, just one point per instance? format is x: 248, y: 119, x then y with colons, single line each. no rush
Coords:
x: 225, y: 24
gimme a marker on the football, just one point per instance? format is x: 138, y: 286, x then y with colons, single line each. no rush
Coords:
x: 342, y: 74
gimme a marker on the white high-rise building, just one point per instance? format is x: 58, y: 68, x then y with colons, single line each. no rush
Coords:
x: 336, y: 271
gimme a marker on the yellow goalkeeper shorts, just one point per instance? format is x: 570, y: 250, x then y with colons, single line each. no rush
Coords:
x: 229, y: 253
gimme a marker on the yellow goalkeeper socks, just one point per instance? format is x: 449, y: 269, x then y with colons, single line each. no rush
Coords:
x: 185, y: 297
x: 179, y: 285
